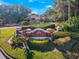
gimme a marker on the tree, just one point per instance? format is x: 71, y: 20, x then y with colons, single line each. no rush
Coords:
x: 24, y: 23
x: 64, y: 9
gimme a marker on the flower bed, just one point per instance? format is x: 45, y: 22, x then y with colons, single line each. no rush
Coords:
x: 39, y: 40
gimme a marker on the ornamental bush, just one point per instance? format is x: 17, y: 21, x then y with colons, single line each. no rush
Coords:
x: 73, y: 24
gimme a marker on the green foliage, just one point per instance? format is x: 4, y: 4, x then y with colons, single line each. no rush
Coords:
x: 18, y: 39
x: 51, y: 26
x: 24, y: 23
x: 65, y: 34
x: 63, y: 9
x: 73, y: 24
x: 42, y: 25
x: 61, y: 34
x: 53, y: 13
x: 63, y: 25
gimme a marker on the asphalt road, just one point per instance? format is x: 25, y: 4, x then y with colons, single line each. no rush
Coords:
x: 11, y: 27
x: 2, y: 56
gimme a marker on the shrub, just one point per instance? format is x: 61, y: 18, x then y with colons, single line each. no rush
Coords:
x: 51, y: 26
x: 73, y: 23
x: 24, y: 23
x: 63, y: 25
x: 65, y: 34
x: 18, y: 39
x: 61, y: 34
x: 32, y: 40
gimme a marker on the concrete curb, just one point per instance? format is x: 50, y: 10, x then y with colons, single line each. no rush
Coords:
x: 5, y: 54
x: 10, y: 39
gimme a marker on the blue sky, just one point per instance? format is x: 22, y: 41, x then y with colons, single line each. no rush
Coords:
x: 37, y: 6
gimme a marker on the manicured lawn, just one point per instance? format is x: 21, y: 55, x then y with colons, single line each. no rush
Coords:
x: 48, y: 55
x: 5, y: 34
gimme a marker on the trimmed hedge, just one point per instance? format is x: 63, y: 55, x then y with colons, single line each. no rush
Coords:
x: 44, y: 26
x: 65, y: 34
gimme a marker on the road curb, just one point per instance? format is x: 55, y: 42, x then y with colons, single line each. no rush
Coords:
x: 5, y: 54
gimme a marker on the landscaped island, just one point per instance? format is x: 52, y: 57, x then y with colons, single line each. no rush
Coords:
x: 5, y: 35
x: 56, y: 46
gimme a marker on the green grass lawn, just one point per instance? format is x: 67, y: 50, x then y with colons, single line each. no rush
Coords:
x: 5, y: 34
x: 48, y: 55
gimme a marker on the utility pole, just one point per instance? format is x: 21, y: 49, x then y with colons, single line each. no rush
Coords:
x: 62, y: 8
x: 68, y: 1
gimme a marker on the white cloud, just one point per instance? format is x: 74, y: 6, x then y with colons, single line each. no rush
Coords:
x: 32, y: 0
x: 36, y: 0
x: 34, y: 12
x: 2, y: 2
x: 49, y: 6
x: 38, y: 11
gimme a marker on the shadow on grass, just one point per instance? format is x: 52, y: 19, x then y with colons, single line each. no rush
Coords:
x: 41, y: 47
x: 50, y: 46
x: 29, y: 54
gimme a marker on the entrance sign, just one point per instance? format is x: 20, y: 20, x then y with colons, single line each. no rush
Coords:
x: 37, y: 33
